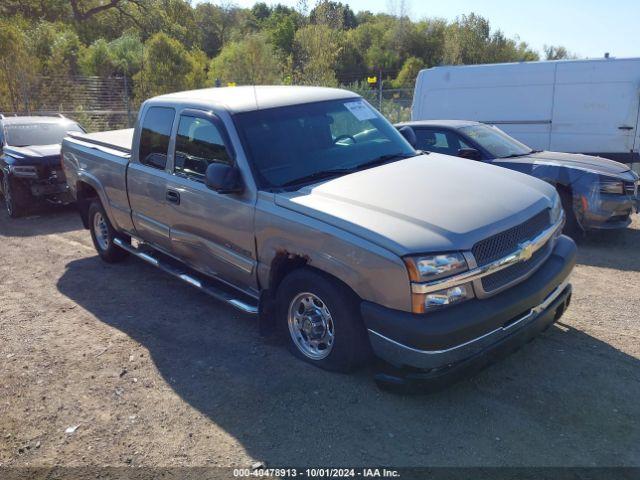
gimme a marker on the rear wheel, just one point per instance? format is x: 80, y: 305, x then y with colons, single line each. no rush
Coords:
x: 16, y: 197
x: 103, y: 235
x: 322, y: 321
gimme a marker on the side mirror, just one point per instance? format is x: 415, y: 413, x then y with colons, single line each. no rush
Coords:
x: 470, y: 154
x: 409, y: 135
x: 223, y: 178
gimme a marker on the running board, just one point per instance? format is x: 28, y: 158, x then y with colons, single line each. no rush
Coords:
x: 207, y: 287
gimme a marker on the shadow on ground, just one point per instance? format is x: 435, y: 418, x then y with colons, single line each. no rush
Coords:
x: 617, y: 249
x: 42, y: 220
x: 565, y: 399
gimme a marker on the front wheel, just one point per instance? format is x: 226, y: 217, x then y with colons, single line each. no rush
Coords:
x: 16, y: 198
x: 103, y: 235
x: 572, y: 226
x: 322, y: 321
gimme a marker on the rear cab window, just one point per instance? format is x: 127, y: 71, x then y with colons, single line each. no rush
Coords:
x: 154, y: 137
x: 199, y: 143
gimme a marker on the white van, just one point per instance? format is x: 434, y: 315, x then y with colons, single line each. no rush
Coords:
x: 578, y: 106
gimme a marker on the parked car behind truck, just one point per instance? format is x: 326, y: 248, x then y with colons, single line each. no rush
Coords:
x: 576, y: 106
x: 596, y: 193
x: 30, y: 167
x: 305, y: 207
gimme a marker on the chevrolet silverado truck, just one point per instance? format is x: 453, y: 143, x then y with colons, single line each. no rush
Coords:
x: 30, y: 167
x: 307, y: 208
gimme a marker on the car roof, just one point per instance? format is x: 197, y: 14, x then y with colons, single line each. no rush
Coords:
x: 249, y: 98
x: 440, y: 123
x: 21, y: 120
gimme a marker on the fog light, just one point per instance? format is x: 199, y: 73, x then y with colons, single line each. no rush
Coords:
x: 442, y: 298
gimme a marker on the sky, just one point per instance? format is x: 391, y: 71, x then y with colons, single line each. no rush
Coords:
x: 588, y: 28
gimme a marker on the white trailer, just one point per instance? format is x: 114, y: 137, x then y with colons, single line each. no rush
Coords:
x: 578, y: 106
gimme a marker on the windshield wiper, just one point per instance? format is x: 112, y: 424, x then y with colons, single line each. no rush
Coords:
x: 383, y: 159
x: 332, y: 172
x: 316, y: 176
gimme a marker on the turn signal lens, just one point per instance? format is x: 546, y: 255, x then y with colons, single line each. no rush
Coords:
x: 426, y: 302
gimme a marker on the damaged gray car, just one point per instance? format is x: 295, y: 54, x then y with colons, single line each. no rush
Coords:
x: 596, y: 193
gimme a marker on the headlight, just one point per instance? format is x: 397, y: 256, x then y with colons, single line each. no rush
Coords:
x: 427, y: 268
x: 611, y: 186
x: 30, y: 172
x: 433, y: 267
x: 556, y: 209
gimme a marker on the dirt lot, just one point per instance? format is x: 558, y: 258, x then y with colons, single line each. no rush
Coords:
x: 153, y: 372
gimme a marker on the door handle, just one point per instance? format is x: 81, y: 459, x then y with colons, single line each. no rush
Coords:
x: 625, y: 127
x: 173, y: 197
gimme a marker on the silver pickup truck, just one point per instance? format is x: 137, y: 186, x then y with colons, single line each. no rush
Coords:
x: 304, y: 206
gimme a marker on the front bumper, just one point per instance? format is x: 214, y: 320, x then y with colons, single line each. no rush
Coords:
x: 440, y: 347
x: 607, y: 211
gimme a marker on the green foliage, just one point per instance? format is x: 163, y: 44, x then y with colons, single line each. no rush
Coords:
x: 169, y: 45
x: 316, y: 51
x: 249, y: 61
x: 559, y: 52
x: 408, y: 74
x: 334, y: 15
x: 166, y: 67
x: 122, y: 56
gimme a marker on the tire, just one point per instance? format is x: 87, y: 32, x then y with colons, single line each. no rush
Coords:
x: 572, y: 227
x: 17, y: 199
x: 103, y: 234
x: 328, y: 306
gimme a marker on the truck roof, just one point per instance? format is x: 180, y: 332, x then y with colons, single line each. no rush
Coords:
x: 9, y: 120
x: 249, y: 98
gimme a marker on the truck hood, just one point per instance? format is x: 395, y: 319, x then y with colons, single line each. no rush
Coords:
x: 44, y: 155
x: 427, y: 203
x: 602, y: 166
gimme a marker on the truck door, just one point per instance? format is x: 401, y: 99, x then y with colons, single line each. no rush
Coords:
x: 213, y: 232
x: 147, y: 178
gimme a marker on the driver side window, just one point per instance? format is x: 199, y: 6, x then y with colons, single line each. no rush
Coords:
x: 198, y: 144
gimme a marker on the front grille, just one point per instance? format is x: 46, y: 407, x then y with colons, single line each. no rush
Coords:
x: 507, y: 242
x: 504, y: 243
x: 510, y: 274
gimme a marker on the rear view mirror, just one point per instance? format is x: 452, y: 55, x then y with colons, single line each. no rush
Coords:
x: 223, y: 178
x: 470, y: 154
x: 409, y: 135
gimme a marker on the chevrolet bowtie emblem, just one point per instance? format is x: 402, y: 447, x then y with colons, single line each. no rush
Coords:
x: 526, y: 251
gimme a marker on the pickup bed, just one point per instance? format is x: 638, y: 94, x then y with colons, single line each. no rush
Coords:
x: 305, y: 207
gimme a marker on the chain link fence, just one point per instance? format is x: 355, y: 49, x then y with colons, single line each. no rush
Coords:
x: 96, y: 103
x: 99, y: 103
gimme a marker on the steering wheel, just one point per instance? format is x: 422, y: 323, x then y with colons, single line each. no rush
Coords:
x: 344, y: 137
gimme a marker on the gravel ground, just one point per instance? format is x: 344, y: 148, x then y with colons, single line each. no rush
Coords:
x: 151, y: 372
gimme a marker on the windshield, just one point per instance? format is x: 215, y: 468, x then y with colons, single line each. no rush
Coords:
x: 27, y: 134
x: 293, y: 143
x: 495, y: 141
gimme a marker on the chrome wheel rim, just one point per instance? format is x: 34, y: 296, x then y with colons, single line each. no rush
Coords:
x: 6, y: 190
x: 101, y: 231
x: 311, y: 326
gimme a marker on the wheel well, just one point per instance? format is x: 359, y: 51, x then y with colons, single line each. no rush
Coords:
x: 283, y: 264
x: 85, y: 194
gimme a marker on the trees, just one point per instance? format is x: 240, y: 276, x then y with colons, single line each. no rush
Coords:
x: 167, y: 45
x: 559, y: 52
x: 316, y: 50
x: 168, y: 66
x: 250, y: 61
